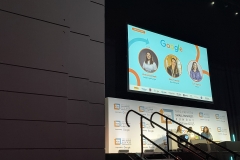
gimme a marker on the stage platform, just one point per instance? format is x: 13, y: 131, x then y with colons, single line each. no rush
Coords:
x: 155, y: 156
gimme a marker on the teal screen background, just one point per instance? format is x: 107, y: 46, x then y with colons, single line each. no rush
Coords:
x: 160, y: 79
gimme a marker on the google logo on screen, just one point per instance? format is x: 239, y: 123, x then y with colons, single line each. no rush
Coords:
x: 171, y: 46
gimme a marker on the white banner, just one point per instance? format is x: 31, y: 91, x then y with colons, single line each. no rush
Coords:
x: 121, y: 137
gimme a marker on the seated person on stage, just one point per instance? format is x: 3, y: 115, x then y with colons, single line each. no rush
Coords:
x: 182, y: 136
x: 179, y: 130
x: 191, y: 135
x: 206, y: 133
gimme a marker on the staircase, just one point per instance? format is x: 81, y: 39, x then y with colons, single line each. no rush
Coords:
x: 154, y: 156
x: 188, y: 153
x: 136, y: 156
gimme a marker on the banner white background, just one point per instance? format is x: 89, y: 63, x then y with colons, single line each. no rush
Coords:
x: 121, y: 137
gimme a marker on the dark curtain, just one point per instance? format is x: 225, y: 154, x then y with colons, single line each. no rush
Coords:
x: 226, y: 90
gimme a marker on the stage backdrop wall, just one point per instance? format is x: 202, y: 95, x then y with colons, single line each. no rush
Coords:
x: 121, y: 137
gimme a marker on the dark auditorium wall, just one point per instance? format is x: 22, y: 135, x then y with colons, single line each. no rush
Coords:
x: 52, y: 79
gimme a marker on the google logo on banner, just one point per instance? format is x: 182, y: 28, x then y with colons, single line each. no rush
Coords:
x: 171, y: 46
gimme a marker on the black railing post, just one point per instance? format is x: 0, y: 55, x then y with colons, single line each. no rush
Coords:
x: 141, y: 126
x: 167, y: 135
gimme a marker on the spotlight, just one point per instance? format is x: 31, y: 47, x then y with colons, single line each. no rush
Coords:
x: 212, y: 3
x: 236, y: 13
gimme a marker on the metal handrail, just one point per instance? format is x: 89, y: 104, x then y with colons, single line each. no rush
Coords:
x: 200, y: 156
x: 167, y: 118
x: 160, y: 147
x: 141, y: 117
x: 207, y: 154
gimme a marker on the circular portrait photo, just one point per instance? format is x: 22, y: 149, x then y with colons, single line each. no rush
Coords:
x: 195, y: 71
x: 173, y: 66
x: 148, y: 60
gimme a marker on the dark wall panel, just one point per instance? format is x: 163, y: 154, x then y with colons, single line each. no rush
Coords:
x: 77, y: 136
x: 87, y: 18
x: 77, y: 112
x: 30, y: 154
x: 32, y: 43
x: 97, y: 62
x: 85, y: 154
x: 32, y: 134
x: 96, y: 136
x: 97, y: 23
x: 77, y: 154
x: 79, y: 16
x: 96, y: 93
x: 32, y: 81
x: 32, y: 107
x: 79, y: 59
x: 52, y: 84
x: 96, y: 114
x: 99, y: 154
x: 101, y: 2
x: 78, y: 88
x: 54, y: 10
